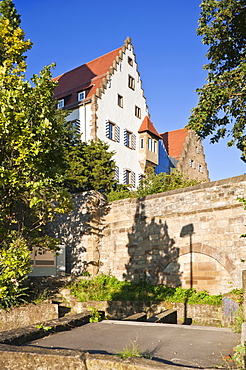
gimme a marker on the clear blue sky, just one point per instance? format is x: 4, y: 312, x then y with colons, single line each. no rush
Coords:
x: 169, y: 54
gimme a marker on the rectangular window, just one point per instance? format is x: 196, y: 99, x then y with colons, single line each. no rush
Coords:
x: 150, y: 144
x: 127, y: 139
x: 60, y: 104
x: 141, y: 143
x: 120, y: 101
x: 200, y: 168
x: 137, y: 112
x: 154, y: 148
x: 129, y: 177
x: 130, y: 61
x: 81, y: 95
x: 131, y: 82
x: 191, y: 163
x: 112, y: 131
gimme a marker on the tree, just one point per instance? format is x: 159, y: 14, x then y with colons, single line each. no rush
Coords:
x: 222, y: 101
x: 152, y: 184
x: 89, y: 166
x: 32, y: 155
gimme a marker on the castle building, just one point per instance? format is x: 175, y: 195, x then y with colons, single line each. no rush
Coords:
x: 107, y: 102
x: 185, y: 150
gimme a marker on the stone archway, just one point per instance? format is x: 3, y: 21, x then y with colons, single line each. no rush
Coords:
x: 211, y: 270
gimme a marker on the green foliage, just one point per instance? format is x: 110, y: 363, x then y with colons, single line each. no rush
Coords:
x: 31, y: 158
x: 89, y: 166
x: 243, y: 200
x: 95, y: 315
x: 239, y: 319
x: 133, y: 350
x: 152, y: 184
x: 221, y: 108
x: 14, y: 264
x: 44, y: 328
x: 238, y: 357
x: 108, y: 288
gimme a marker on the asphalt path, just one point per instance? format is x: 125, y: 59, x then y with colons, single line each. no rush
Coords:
x: 189, y: 346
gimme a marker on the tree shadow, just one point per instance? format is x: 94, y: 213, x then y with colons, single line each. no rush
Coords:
x: 85, y: 221
x: 150, y: 249
x: 188, y: 230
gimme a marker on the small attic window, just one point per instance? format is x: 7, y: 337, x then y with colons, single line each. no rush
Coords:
x: 131, y: 82
x: 60, y: 104
x: 137, y: 112
x: 130, y: 61
x: 81, y: 95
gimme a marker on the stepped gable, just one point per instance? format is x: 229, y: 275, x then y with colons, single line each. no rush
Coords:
x: 147, y: 125
x: 88, y: 76
x: 174, y: 142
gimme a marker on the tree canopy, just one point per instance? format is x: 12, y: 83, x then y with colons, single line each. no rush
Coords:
x: 221, y: 109
x: 39, y: 157
x: 152, y: 184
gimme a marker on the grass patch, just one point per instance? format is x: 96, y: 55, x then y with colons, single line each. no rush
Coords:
x: 108, y: 288
x: 133, y: 350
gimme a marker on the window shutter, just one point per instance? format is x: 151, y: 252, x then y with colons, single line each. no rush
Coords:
x: 125, y: 138
x: 107, y: 129
x: 134, y: 141
x: 117, y: 134
x: 133, y: 178
x: 77, y: 126
x: 140, y: 177
x: 124, y: 176
x: 117, y: 174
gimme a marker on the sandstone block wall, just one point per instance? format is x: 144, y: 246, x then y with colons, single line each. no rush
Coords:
x: 17, y: 317
x: 188, y: 237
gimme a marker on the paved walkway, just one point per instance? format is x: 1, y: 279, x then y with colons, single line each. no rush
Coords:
x: 190, y: 346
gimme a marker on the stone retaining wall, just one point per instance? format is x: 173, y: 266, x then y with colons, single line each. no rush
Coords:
x: 18, y: 317
x: 187, y: 237
x: 29, y: 358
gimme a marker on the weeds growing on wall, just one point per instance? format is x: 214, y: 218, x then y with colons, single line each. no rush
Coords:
x: 152, y: 184
x: 108, y: 288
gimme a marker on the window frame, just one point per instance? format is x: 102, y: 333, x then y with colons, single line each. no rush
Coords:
x: 131, y: 82
x: 79, y: 93
x: 60, y: 104
x: 137, y: 112
x: 130, y: 61
x: 120, y: 101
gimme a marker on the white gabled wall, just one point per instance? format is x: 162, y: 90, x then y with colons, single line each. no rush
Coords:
x: 108, y: 110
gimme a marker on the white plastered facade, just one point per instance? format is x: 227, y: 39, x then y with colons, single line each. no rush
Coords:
x: 124, y: 117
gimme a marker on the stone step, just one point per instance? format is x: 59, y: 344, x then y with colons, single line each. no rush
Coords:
x: 165, y: 317
x: 141, y: 316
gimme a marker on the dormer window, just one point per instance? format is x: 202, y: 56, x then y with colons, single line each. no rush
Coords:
x: 60, y: 104
x: 81, y: 95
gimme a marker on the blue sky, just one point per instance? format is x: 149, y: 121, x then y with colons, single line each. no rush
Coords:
x: 169, y: 54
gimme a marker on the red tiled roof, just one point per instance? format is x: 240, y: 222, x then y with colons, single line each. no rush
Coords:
x: 147, y: 125
x: 174, y: 141
x: 88, y: 76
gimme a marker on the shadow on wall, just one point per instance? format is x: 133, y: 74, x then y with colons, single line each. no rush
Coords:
x: 85, y: 221
x: 150, y: 249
